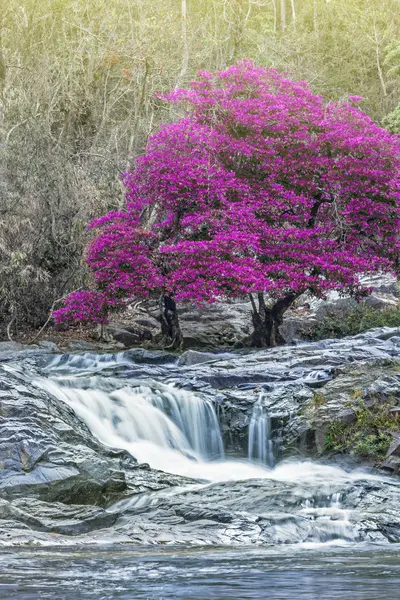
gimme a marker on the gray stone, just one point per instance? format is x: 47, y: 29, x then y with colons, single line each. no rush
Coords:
x: 58, y: 484
x: 47, y: 453
x: 193, y: 357
x: 125, y: 337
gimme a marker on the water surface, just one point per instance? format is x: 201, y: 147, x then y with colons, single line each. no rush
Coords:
x: 311, y: 572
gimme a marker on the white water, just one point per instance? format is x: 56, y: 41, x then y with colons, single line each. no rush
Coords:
x: 170, y: 429
x: 176, y: 431
x: 260, y: 446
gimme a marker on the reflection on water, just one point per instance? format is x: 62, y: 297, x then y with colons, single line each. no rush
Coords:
x: 309, y: 573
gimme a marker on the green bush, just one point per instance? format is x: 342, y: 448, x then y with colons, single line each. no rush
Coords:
x: 371, y: 433
x: 358, y: 320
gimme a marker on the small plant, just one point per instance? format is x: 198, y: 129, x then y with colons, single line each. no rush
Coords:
x: 371, y: 433
x: 318, y: 399
x: 359, y: 319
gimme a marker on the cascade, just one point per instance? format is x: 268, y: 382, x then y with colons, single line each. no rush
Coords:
x: 177, y: 431
x: 260, y: 445
x: 173, y: 430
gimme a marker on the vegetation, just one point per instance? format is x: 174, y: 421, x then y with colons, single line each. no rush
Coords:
x: 359, y: 319
x: 77, y: 104
x: 371, y: 433
x: 318, y: 399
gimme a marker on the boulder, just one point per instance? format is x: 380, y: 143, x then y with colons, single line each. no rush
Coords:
x: 125, y: 337
x: 382, y: 301
x: 193, y: 357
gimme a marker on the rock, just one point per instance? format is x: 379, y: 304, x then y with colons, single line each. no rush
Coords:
x: 59, y: 485
x: 300, y: 322
x: 80, y: 345
x: 216, y: 326
x: 125, y: 337
x: 11, y: 347
x: 129, y: 335
x: 381, y: 301
x: 48, y: 345
x: 148, y: 322
x: 48, y: 454
x: 193, y: 357
x: 56, y: 517
x: 142, y: 333
x: 151, y: 357
x: 261, y: 512
x: 392, y: 461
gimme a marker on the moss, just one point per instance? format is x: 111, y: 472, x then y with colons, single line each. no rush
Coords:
x: 371, y: 433
x: 318, y: 399
x: 358, y: 320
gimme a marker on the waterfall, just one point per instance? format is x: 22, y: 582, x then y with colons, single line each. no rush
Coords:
x: 260, y: 446
x: 161, y: 415
x: 172, y: 430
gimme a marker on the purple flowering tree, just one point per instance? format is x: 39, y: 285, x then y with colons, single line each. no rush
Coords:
x: 260, y: 189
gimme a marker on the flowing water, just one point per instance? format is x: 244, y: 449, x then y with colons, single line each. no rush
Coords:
x: 315, y: 543
x: 260, y: 447
x: 330, y: 573
x: 170, y: 429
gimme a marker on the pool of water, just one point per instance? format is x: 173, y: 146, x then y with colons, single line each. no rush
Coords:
x: 311, y: 572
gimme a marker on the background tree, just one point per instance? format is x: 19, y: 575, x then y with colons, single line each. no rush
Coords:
x: 77, y: 103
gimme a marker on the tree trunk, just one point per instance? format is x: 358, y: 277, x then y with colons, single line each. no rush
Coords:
x: 266, y: 321
x: 283, y: 15
x: 293, y: 13
x: 185, y: 48
x: 170, y: 327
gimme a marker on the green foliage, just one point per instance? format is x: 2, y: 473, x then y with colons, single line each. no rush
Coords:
x: 392, y: 120
x: 358, y: 320
x: 371, y: 433
x: 318, y: 399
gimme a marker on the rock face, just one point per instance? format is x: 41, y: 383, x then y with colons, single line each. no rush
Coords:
x: 48, y: 454
x: 260, y: 512
x: 58, y: 484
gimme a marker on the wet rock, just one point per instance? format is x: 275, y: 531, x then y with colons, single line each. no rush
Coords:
x: 193, y: 357
x: 280, y: 510
x: 48, y: 345
x: 11, y: 347
x: 80, y: 346
x: 58, y: 483
x: 392, y: 461
x: 56, y: 517
x: 151, y: 357
x: 48, y: 454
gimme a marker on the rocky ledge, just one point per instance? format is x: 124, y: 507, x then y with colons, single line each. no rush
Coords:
x: 58, y: 484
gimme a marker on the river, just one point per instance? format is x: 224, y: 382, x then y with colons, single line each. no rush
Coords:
x: 218, y: 512
x: 309, y: 573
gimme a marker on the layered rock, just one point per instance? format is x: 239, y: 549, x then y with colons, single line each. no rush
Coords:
x: 59, y: 484
x: 48, y: 454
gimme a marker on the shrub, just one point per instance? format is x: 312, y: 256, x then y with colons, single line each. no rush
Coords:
x: 358, y: 320
x: 371, y: 433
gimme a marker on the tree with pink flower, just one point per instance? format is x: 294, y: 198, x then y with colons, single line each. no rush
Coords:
x: 260, y: 189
